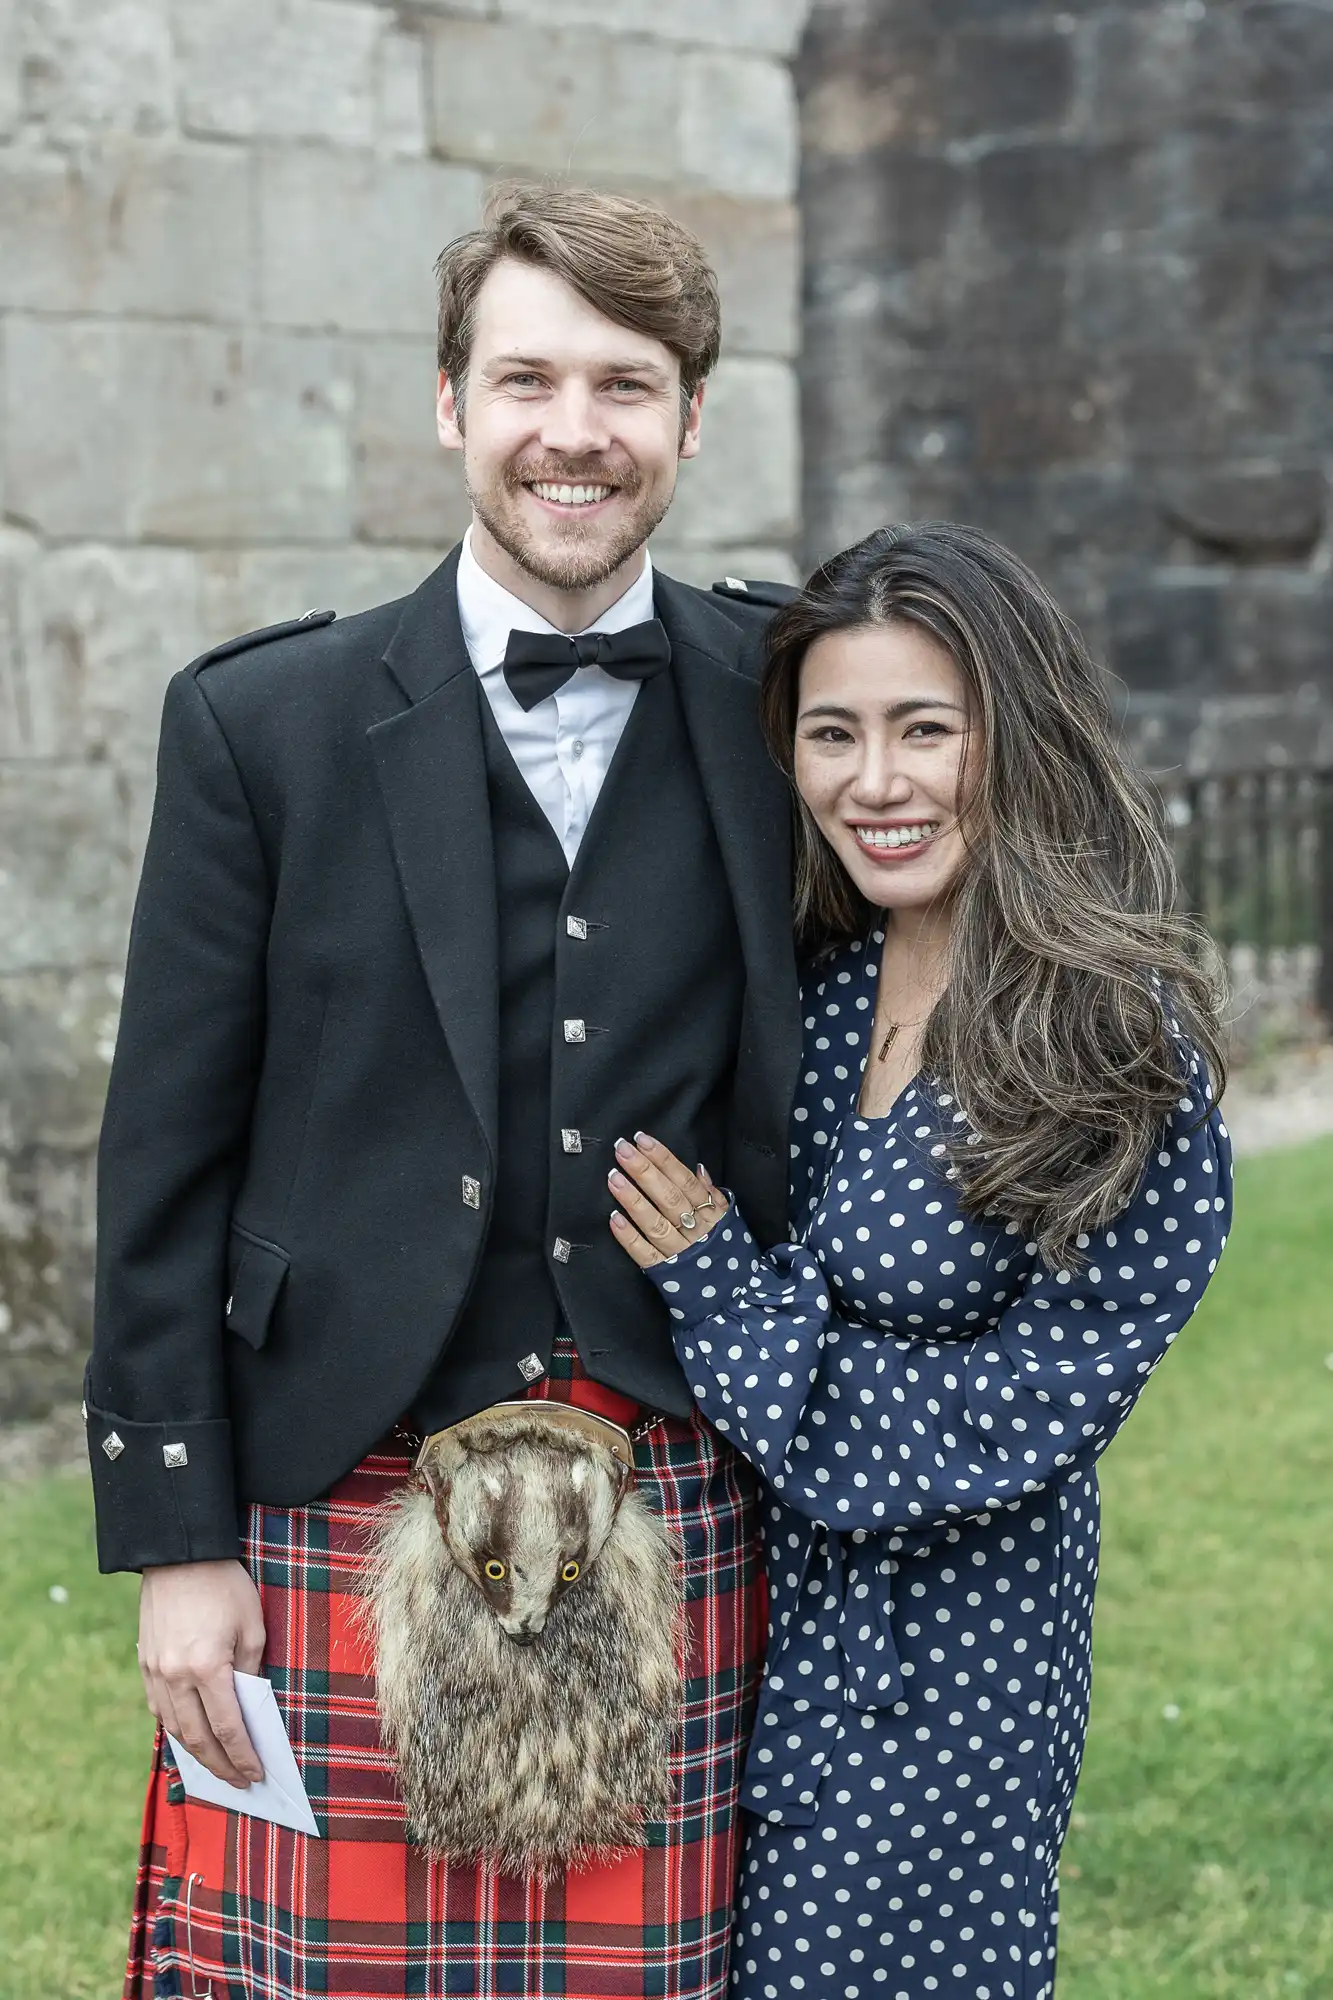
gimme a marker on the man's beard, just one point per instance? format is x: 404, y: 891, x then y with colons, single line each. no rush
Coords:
x: 581, y: 560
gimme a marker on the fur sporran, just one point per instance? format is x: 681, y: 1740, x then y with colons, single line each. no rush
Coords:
x: 527, y: 1612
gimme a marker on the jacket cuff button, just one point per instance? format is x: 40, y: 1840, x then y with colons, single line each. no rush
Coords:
x: 113, y: 1445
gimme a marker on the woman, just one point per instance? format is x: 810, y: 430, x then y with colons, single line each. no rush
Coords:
x: 1009, y: 1190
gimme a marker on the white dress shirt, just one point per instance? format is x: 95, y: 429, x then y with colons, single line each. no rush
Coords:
x: 564, y: 744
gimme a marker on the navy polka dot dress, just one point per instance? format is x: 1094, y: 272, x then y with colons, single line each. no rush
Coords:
x: 926, y: 1401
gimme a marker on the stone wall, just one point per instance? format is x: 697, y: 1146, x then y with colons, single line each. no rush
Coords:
x: 1069, y: 275
x: 217, y: 225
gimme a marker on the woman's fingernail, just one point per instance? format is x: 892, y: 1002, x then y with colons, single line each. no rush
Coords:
x: 624, y: 1148
x: 617, y: 1220
x: 646, y: 1140
x: 617, y: 1179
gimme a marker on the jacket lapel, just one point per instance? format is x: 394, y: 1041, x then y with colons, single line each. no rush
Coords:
x: 431, y: 765
x: 750, y: 808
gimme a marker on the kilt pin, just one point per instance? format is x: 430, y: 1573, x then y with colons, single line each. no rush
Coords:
x: 234, y: 1908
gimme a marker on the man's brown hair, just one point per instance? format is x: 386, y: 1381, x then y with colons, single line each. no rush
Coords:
x: 629, y: 260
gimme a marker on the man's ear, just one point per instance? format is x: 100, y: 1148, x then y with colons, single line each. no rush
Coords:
x: 448, y: 415
x: 689, y: 437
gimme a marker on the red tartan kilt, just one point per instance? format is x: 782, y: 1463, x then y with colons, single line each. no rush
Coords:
x: 242, y: 1910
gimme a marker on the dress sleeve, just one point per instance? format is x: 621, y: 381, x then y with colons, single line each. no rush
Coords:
x: 862, y: 1429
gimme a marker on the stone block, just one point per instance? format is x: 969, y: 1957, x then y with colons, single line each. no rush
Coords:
x: 347, y: 240
x: 566, y: 102
x: 402, y: 112
x: 57, y: 1037
x: 11, y: 98
x: 33, y: 722
x: 408, y: 488
x: 306, y: 70
x: 1288, y: 55
x: 1166, y: 630
x: 743, y: 489
x: 65, y: 881
x: 46, y: 1242
x: 101, y: 631
x: 244, y: 589
x: 705, y: 567
x: 179, y: 434
x: 738, y: 124
x: 1255, y: 512
x: 754, y: 247
x: 153, y: 228
x: 865, y: 83
x: 91, y: 67
x: 1277, y: 627
x: 771, y: 27
x: 1003, y: 84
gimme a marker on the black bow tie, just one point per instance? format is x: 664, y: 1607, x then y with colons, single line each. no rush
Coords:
x: 538, y: 663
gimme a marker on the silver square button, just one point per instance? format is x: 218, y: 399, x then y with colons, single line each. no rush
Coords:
x: 471, y: 1191
x: 571, y: 1139
x: 560, y: 1250
x: 576, y: 1031
x: 576, y: 927
x: 174, y: 1456
x: 113, y: 1445
x: 532, y: 1367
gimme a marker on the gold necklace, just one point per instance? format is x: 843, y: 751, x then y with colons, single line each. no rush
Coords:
x: 895, y: 1028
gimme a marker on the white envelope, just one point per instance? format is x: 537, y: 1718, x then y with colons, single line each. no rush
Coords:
x: 280, y: 1796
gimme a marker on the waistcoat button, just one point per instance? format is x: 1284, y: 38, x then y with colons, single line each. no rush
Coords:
x: 576, y: 927
x: 560, y: 1250
x: 471, y: 1192
x: 576, y: 1031
x: 571, y: 1140
x: 531, y: 1367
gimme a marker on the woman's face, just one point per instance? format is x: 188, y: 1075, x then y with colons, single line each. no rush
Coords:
x: 883, y: 759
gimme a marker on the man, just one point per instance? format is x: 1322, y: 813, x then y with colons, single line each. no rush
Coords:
x: 437, y: 904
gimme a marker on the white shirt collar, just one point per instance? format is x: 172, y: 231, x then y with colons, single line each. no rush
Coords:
x: 489, y: 613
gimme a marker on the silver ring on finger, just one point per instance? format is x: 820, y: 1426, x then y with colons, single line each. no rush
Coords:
x: 687, y: 1218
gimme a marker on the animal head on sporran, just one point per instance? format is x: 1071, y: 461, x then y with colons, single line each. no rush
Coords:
x: 526, y: 1606
x: 524, y: 1512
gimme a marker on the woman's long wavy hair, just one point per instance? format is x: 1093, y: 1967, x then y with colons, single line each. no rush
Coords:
x: 1068, y: 960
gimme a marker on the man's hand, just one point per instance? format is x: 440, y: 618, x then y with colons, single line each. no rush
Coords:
x: 198, y: 1621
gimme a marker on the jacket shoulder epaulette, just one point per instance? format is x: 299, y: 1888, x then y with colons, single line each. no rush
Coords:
x: 310, y: 621
x: 765, y: 596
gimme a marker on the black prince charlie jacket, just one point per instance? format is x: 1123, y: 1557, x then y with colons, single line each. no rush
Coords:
x: 299, y: 1146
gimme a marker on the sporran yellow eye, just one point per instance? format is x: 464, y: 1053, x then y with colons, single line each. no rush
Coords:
x: 496, y: 1571
x: 570, y: 1573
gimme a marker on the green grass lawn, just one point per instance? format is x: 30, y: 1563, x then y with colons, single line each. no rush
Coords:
x: 1200, y: 1866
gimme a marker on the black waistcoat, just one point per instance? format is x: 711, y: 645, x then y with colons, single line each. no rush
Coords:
x: 620, y: 990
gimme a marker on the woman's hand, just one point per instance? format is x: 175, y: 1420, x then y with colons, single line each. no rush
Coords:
x: 666, y: 1206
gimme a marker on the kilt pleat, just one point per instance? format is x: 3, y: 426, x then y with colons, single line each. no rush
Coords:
x: 233, y: 1908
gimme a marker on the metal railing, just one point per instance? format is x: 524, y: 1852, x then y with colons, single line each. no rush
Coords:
x: 1254, y: 850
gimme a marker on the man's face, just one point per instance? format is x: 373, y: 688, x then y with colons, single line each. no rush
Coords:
x: 570, y: 429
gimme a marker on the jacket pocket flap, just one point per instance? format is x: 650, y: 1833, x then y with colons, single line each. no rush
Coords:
x: 256, y: 1273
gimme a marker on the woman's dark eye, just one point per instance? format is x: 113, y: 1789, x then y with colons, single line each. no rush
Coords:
x: 933, y: 729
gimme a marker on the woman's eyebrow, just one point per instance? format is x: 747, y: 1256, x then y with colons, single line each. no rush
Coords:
x: 895, y: 711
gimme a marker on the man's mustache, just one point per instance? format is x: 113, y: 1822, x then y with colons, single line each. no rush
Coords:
x: 572, y: 472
